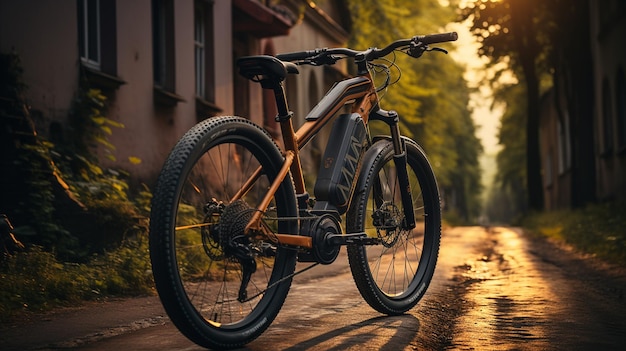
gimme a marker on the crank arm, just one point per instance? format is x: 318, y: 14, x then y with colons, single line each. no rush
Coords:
x: 351, y: 239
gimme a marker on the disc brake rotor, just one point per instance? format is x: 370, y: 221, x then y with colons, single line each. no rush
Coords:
x: 387, y: 219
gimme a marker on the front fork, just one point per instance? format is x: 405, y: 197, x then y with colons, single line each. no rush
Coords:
x: 400, y: 161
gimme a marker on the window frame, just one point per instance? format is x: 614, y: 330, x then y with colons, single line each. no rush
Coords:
x: 163, y: 53
x: 89, y: 41
x: 199, y: 42
x: 204, y: 59
x: 99, y: 69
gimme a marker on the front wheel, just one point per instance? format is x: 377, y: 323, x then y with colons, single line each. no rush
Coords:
x: 221, y: 288
x: 394, y: 275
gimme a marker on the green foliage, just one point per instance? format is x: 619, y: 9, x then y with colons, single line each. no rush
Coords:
x: 520, y: 33
x: 106, y: 229
x: 36, y: 281
x: 112, y: 215
x: 431, y: 96
x: 514, y: 31
x: 90, y: 125
x: 597, y: 229
x: 38, y: 201
x: 28, y: 175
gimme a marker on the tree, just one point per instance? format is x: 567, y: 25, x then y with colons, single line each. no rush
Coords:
x: 510, y: 197
x: 517, y: 30
x: 546, y: 44
x: 431, y: 97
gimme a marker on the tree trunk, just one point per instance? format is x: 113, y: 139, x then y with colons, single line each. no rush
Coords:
x: 533, y: 153
x: 578, y: 62
x: 526, y: 47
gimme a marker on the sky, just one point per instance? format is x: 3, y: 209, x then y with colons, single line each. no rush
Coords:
x: 487, y: 121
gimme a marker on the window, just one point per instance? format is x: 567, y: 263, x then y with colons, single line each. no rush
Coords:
x: 97, y: 43
x: 199, y: 48
x: 163, y: 53
x: 204, y: 53
x: 89, y: 33
x: 163, y: 43
x: 203, y: 59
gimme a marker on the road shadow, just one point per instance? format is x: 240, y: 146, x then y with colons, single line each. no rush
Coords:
x: 385, y: 333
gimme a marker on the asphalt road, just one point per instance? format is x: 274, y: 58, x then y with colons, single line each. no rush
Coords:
x: 493, y: 290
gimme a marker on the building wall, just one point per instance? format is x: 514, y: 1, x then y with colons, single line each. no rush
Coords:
x: 152, y: 130
x: 46, y: 39
x: 45, y: 35
x: 556, y: 157
x: 149, y: 132
x: 224, y: 66
x: 46, y: 42
x: 608, y: 55
x: 608, y: 25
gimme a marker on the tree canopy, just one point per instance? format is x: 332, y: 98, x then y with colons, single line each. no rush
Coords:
x: 545, y: 43
x: 431, y: 97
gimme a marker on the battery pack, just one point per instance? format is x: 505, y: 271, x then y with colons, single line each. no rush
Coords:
x: 339, y: 164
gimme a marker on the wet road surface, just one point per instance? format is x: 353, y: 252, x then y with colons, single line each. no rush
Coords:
x: 493, y: 290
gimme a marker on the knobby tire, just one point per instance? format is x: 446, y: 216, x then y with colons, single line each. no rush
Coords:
x: 393, y: 276
x: 196, y: 275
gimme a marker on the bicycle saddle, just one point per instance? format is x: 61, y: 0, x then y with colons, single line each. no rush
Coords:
x: 261, y: 67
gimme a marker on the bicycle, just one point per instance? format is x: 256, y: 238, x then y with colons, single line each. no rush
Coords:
x: 231, y: 215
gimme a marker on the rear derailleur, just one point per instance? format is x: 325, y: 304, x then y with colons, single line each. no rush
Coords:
x: 227, y: 235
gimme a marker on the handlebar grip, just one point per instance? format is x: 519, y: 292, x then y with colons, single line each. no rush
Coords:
x: 438, y: 38
x: 295, y: 56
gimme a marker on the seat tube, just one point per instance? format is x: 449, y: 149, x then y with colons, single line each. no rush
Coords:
x: 284, y: 118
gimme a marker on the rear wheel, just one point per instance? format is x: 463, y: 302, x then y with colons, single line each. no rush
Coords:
x: 221, y: 288
x: 394, y: 275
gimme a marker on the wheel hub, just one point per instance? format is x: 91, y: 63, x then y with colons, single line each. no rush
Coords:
x: 387, y: 219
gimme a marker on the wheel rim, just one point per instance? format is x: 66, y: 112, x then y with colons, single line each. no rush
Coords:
x: 396, y: 265
x: 210, y: 276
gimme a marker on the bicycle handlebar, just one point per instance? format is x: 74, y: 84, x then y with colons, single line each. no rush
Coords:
x: 327, y: 56
x: 437, y: 38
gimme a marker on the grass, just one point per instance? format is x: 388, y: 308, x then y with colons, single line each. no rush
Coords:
x: 597, y: 229
x: 36, y: 281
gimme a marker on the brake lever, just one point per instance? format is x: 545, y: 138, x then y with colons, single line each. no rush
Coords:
x: 416, y: 50
x: 437, y: 49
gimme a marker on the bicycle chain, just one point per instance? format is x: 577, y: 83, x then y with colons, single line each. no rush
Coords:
x: 280, y: 281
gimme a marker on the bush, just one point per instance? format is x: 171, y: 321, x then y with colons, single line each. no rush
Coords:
x: 36, y: 281
x: 597, y: 229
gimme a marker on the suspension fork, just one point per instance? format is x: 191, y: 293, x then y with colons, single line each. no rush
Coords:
x: 400, y: 161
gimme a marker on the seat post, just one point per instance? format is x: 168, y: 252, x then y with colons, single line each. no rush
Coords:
x: 281, y: 102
